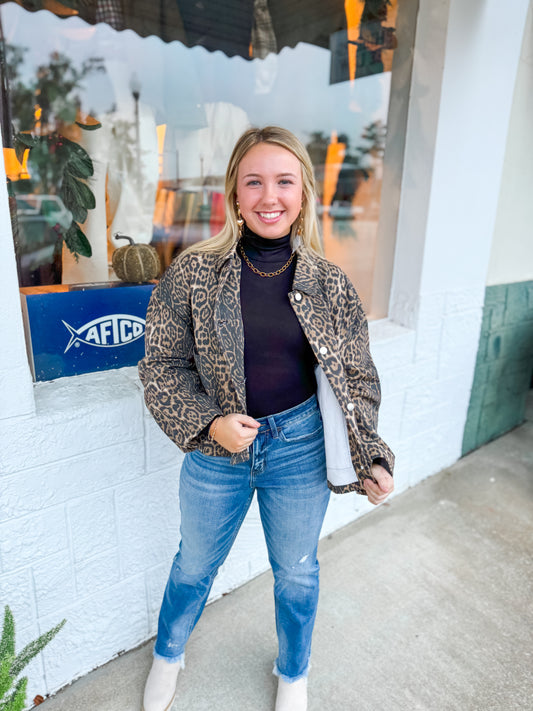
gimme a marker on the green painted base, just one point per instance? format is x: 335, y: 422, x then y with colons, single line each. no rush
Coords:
x: 504, y: 364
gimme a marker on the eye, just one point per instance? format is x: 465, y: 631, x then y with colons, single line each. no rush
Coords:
x: 252, y: 182
x: 286, y: 181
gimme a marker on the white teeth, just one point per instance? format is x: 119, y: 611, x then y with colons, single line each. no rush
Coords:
x: 270, y: 215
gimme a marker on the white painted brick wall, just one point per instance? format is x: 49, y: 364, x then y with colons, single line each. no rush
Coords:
x: 148, y: 521
x: 92, y: 524
x: 99, y: 625
x: 29, y: 539
x: 16, y: 388
x: 70, y: 479
x: 54, y: 583
x: 96, y: 573
x: 17, y: 589
x: 161, y: 452
x: 59, y: 429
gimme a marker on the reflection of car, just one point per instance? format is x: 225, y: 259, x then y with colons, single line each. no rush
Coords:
x: 38, y: 242
x: 47, y: 207
x: 341, y: 210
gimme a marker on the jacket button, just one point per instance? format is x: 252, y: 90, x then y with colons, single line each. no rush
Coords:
x: 323, y: 350
x: 298, y: 296
x: 350, y: 406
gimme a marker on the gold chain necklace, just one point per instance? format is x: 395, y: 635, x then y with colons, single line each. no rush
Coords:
x: 265, y: 274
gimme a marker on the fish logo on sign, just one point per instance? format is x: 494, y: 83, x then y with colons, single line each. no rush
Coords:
x: 107, y: 331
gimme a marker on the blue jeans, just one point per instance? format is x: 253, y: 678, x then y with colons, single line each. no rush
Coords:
x: 287, y: 467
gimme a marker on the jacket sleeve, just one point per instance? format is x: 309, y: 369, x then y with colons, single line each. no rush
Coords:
x: 173, y: 391
x: 361, y: 375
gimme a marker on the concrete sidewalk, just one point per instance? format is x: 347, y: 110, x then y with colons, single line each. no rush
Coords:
x: 426, y: 604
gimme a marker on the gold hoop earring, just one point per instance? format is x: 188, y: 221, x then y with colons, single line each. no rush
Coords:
x: 240, y: 220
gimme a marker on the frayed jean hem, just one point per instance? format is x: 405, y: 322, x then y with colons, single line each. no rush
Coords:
x: 290, y: 679
x: 172, y: 660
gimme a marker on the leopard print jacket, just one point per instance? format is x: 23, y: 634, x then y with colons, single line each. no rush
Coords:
x: 194, y: 364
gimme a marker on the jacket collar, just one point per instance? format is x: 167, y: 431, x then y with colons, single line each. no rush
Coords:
x: 306, y: 272
x: 226, y: 257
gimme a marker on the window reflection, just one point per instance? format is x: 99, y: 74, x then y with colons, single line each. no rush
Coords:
x: 154, y: 111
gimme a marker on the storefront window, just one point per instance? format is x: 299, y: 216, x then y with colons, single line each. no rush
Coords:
x: 119, y: 117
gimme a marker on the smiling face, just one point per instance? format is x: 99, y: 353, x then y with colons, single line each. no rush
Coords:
x: 269, y: 189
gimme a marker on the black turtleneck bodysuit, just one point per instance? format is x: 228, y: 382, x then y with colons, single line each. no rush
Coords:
x: 278, y: 360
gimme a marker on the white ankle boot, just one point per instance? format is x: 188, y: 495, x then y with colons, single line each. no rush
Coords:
x: 160, y: 689
x: 291, y: 697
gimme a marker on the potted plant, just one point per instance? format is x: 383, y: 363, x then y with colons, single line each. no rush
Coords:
x: 13, y: 690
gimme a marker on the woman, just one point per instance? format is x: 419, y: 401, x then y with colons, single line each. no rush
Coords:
x: 235, y: 330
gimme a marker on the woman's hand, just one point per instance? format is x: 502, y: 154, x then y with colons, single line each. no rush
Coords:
x: 378, y: 492
x: 234, y: 432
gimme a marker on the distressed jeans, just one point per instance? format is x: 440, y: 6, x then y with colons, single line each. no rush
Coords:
x: 287, y: 468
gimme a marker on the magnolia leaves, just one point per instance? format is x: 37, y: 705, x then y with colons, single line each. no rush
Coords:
x: 92, y: 124
x: 77, y: 197
x: 23, y: 141
x: 75, y: 193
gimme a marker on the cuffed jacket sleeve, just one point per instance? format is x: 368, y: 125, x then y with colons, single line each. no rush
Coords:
x: 361, y: 374
x: 173, y: 390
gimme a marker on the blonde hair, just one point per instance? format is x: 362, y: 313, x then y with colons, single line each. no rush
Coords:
x: 229, y: 234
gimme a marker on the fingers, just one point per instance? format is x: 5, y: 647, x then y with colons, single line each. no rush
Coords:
x: 243, y: 428
x: 374, y: 493
x: 379, y: 490
x: 383, y: 478
x: 244, y: 441
x: 236, y: 432
x: 246, y: 421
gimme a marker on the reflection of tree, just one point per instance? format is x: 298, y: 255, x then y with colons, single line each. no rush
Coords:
x: 20, y: 96
x: 375, y: 133
x: 48, y: 102
x: 93, y: 64
x: 56, y: 82
x: 47, y: 105
x: 51, y: 93
x: 359, y: 162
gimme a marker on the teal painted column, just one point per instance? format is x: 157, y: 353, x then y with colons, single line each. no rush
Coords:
x: 504, y: 364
